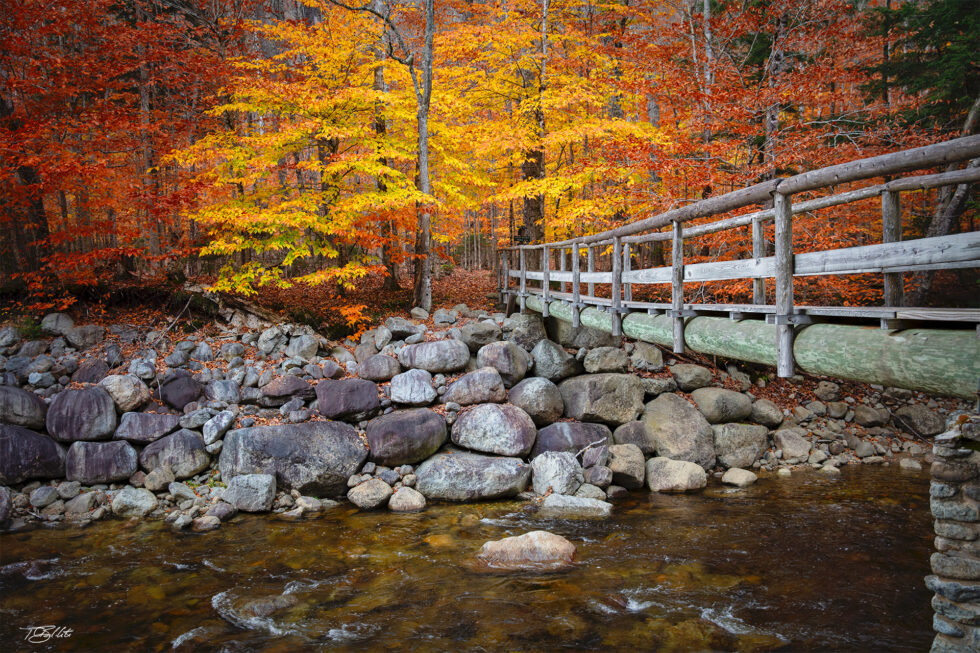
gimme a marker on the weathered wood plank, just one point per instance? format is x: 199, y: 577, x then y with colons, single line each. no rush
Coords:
x: 617, y: 283
x: 891, y: 232
x: 677, y: 286
x: 784, y: 282
x: 576, y: 287
x: 523, y: 272
x: 758, y: 253
x: 545, y: 280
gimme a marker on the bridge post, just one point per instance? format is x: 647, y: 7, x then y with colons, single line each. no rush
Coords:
x: 562, y: 268
x: 784, y: 284
x: 545, y: 280
x: 758, y: 251
x: 677, y: 286
x: 590, y: 267
x: 523, y: 294
x: 504, y: 277
x: 576, y: 288
x: 627, y: 266
x: 891, y: 228
x: 617, y: 286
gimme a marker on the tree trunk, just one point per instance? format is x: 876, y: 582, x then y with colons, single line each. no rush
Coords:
x: 423, y: 245
x: 381, y: 129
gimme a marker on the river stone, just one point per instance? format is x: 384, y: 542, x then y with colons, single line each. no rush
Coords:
x: 570, y: 436
x: 590, y: 491
x: 691, y: 377
x: 739, y: 445
x: 526, y: 330
x: 636, y: 432
x: 679, y: 430
x: 57, y: 324
x: 251, y: 492
x: 867, y: 416
x: 607, y: 398
x: 145, y: 427
x: 370, y: 494
x: 766, y: 413
x: 827, y: 391
x: 315, y: 458
x: 480, y: 386
x: 6, y: 505
x: 83, y: 337
x: 82, y: 504
x: 566, y: 335
x: 159, y: 479
x: 217, y: 426
x: 100, y: 462
x: 303, y: 347
x: 21, y: 408
x: 539, y: 398
x: 560, y: 506
x: 793, y: 444
x: 628, y: 465
x: 739, y: 477
x: 224, y: 390
x: 668, y: 475
x: 413, y: 388
x: 93, y: 370
x: 557, y: 471
x: 131, y: 502
x: 436, y: 357
x: 179, y: 388
x: 510, y: 360
x: 532, y: 551
x: 720, y: 405
x: 44, y: 496
x: 552, y: 362
x: 183, y: 452
x: 379, y: 368
x: 646, y: 357
x: 606, y: 359
x: 283, y: 388
x: 478, y: 334
x: 222, y: 510
x: 923, y: 421
x: 406, y: 499
x: 405, y: 437
x: 501, y: 429
x: 25, y: 454
x: 346, y: 398
x: 86, y: 414
x: 463, y: 476
x: 128, y: 392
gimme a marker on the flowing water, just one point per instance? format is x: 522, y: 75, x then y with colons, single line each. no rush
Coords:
x: 805, y: 563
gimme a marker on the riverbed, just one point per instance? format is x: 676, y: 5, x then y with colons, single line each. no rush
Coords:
x: 810, y: 562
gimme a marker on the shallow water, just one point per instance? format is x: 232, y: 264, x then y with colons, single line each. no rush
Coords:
x: 805, y: 563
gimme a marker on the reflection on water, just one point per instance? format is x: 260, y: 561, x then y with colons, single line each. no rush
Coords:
x: 805, y: 563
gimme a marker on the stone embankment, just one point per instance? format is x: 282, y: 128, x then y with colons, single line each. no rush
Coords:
x: 459, y: 406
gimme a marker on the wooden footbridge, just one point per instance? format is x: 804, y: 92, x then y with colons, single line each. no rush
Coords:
x: 570, y: 291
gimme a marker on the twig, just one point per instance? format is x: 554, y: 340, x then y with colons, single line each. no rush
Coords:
x: 589, y: 446
x: 171, y: 325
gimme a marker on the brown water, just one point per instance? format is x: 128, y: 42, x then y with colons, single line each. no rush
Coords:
x: 806, y: 563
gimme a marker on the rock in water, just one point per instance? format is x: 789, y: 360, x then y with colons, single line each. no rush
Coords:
x: 532, y: 551
x: 605, y: 398
x: 557, y: 506
x: 406, y: 499
x: 251, y: 492
x: 667, y: 475
x: 131, y: 502
x: 739, y: 477
x: 500, y: 429
x: 25, y: 454
x: 370, y: 495
x: 405, y: 437
x: 557, y: 471
x: 462, y: 476
x: 679, y: 430
x: 21, y: 408
x: 100, y: 462
x: 86, y: 414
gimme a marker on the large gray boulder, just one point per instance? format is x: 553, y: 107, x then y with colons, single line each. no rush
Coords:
x: 739, y: 445
x: 21, y: 408
x: 57, y: 324
x: 501, y: 429
x: 347, y: 398
x: 379, y: 368
x: 283, y: 388
x: 539, y: 398
x: 480, y: 386
x: 510, y: 360
x: 636, y: 432
x: 315, y: 458
x: 128, y: 392
x: 720, y: 405
x: 554, y: 363
x: 605, y: 359
x: 566, y: 335
x: 668, y: 475
x: 413, y: 388
x: 679, y: 430
x: 251, y: 492
x: 183, y: 452
x: 691, y: 377
x: 405, y: 437
x: 570, y: 436
x: 401, y: 328
x: 133, y: 503
x: 463, y: 476
x: 145, y: 427
x: 436, y: 357
x: 557, y: 471
x: 303, y: 347
x: 179, y: 388
x: 25, y: 454
x: 646, y: 357
x: 83, y: 337
x: 766, y: 413
x: 606, y: 398
x: 923, y: 421
x: 86, y: 414
x: 100, y: 462
x: 526, y: 330
x: 225, y: 390
x: 628, y: 465
x: 478, y: 334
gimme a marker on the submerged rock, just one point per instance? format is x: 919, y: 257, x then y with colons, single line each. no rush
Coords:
x: 532, y: 551
x: 406, y: 499
x: 557, y: 506
x: 739, y: 477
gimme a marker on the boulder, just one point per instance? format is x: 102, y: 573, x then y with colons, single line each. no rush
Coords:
x: 739, y: 445
x: 463, y: 476
x: 510, y: 360
x: 25, y: 454
x: 93, y: 370
x: 570, y: 436
x: 346, y: 398
x: 566, y: 335
x: 646, y: 357
x: 100, y: 462
x: 159, y: 479
x: 406, y: 499
x: 720, y: 405
x: 668, y: 475
x: 436, y: 357
x: 478, y: 334
x: 739, y: 477
x: 145, y: 427
x: 792, y: 443
x: 303, y: 347
x: 501, y: 429
x: 637, y: 433
x: 401, y: 328
x: 251, y: 492
x: 283, y: 388
x: 179, y: 388
x: 57, y: 324
x: 654, y: 387
x: 183, y: 452
x: 559, y: 506
x: 86, y: 414
x: 867, y: 416
x: 766, y: 413
x: 224, y: 390
x: 21, y: 408
x: 537, y: 550
x: 315, y: 458
x: 605, y: 359
x: 83, y: 337
x: 445, y: 316
x: 552, y: 362
x: 480, y: 386
x: 128, y: 392
x: 217, y: 426
x: 131, y: 502
x: 557, y: 471
x: 539, y: 398
x: 526, y: 330
x: 413, y: 388
x: 922, y: 421
x: 691, y: 377
x: 370, y: 494
x: 628, y: 465
x: 607, y: 398
x: 679, y: 430
x: 405, y: 437
x: 379, y: 368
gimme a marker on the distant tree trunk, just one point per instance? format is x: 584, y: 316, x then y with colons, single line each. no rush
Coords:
x: 28, y: 230
x: 423, y: 93
x: 770, y: 121
x: 533, y: 166
x: 381, y: 129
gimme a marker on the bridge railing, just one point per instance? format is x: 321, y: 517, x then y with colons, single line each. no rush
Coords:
x: 891, y: 258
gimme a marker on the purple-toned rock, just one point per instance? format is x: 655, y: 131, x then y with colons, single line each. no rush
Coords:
x: 21, y: 408
x: 435, y: 357
x: 25, y: 454
x: 179, y: 389
x: 145, y: 427
x: 570, y: 436
x: 283, y: 388
x: 183, y: 452
x: 405, y: 437
x: 346, y: 398
x: 91, y: 371
x: 100, y: 462
x: 86, y: 414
